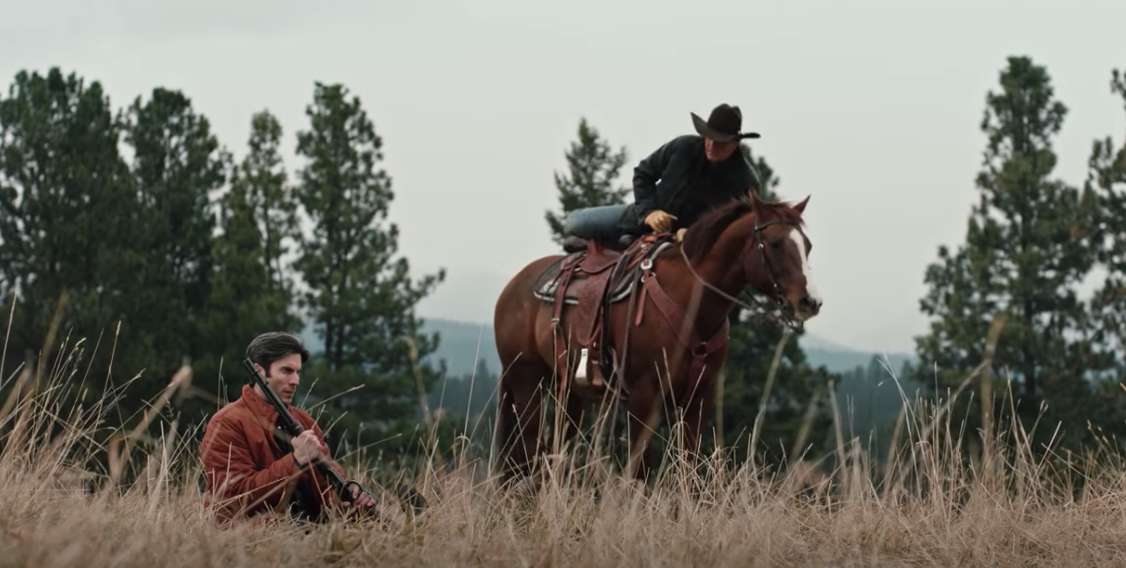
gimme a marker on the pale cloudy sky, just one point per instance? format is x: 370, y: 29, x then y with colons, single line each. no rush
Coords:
x: 872, y: 108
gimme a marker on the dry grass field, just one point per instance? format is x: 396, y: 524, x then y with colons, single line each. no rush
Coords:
x: 925, y: 507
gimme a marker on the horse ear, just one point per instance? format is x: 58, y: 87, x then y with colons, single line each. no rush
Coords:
x: 800, y: 207
x: 756, y: 201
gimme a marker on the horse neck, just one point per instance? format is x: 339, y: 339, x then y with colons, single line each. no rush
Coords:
x: 721, y: 267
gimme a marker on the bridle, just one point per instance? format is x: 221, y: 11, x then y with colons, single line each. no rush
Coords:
x: 783, y: 312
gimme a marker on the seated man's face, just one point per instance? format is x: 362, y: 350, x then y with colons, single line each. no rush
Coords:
x: 284, y: 376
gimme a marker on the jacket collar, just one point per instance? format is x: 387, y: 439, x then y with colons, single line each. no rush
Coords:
x: 257, y: 404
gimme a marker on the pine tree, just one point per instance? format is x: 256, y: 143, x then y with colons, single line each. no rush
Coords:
x: 1028, y: 247
x: 177, y: 164
x: 360, y: 298
x: 1107, y: 176
x: 250, y: 291
x: 67, y: 212
x: 591, y: 180
x: 271, y: 200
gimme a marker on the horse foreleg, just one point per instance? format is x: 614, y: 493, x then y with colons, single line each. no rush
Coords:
x: 695, y: 416
x: 571, y: 423
x: 568, y: 422
x: 644, y: 416
x: 518, y: 418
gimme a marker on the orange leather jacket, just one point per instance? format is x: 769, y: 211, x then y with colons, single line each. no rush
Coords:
x: 246, y: 472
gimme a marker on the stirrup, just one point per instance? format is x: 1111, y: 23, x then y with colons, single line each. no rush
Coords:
x: 580, y: 371
x: 581, y: 377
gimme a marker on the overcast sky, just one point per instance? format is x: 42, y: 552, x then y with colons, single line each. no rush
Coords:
x: 872, y: 108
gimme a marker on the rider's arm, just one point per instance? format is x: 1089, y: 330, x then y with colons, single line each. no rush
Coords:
x: 645, y: 177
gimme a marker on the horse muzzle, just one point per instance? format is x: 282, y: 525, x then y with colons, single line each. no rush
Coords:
x: 808, y: 307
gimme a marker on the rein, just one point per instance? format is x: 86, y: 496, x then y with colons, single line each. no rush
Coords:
x: 698, y: 347
x: 787, y: 321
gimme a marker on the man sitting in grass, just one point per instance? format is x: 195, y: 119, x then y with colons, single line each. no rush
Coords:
x: 252, y: 466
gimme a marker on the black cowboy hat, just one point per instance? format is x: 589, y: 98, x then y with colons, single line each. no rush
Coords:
x: 723, y: 124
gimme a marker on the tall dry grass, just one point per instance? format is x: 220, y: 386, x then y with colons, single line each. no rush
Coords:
x: 68, y: 499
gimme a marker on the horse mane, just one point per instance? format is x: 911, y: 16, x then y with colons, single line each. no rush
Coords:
x: 703, y: 234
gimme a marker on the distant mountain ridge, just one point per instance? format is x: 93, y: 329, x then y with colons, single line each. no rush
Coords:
x: 462, y: 344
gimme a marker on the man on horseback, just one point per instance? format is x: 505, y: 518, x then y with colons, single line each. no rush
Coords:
x: 696, y: 173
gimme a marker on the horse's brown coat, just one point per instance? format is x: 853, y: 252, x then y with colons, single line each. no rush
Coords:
x: 727, y: 249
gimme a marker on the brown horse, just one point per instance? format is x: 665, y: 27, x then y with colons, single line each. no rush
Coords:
x: 665, y: 344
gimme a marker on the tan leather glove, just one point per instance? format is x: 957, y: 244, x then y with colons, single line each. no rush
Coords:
x: 680, y: 234
x: 659, y: 221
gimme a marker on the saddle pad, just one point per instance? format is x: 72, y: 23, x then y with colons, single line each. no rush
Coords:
x: 548, y: 282
x: 546, y: 292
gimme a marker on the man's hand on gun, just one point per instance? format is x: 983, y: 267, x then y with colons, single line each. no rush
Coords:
x: 306, y: 448
x: 360, y: 499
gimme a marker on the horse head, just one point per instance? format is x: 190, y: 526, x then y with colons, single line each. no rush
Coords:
x: 751, y: 242
x: 776, y: 257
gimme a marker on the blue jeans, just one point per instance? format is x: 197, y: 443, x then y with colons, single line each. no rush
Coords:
x: 595, y: 222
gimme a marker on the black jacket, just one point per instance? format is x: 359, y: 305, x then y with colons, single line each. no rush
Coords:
x: 689, y: 185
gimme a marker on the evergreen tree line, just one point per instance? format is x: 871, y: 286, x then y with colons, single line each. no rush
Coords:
x: 1043, y: 260
x: 157, y: 249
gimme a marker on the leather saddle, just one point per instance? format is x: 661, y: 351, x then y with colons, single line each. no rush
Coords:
x: 587, y: 283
